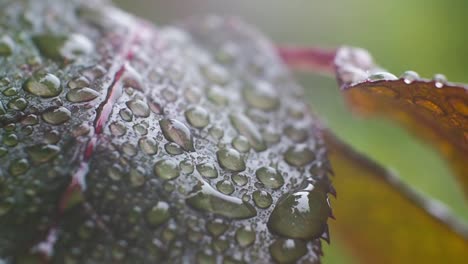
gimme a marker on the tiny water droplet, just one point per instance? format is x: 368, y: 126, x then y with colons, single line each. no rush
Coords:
x: 381, y: 76
x: 409, y: 76
x: 440, y: 80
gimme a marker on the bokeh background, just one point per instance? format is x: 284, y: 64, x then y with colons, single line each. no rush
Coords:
x: 428, y: 36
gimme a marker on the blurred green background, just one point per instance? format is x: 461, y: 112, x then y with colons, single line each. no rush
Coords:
x: 428, y: 36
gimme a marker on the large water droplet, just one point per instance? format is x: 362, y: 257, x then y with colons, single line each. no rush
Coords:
x: 56, y: 115
x: 230, y: 159
x: 166, y: 169
x: 261, y: 95
x: 381, y: 76
x: 247, y: 128
x: 178, y: 133
x: 270, y: 177
x: 205, y: 198
x: 81, y: 95
x: 302, y: 214
x: 409, y: 76
x: 43, y: 84
x: 299, y: 155
x: 197, y: 117
x: 288, y: 250
x: 42, y: 153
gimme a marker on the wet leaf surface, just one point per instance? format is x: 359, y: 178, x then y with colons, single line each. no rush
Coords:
x: 383, y: 221
x: 122, y: 142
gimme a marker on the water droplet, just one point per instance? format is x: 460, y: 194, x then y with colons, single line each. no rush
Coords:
x: 440, y: 80
x: 30, y: 120
x: 245, y: 236
x: 197, y: 117
x: 240, y: 179
x: 56, y: 115
x: 59, y: 47
x: 207, y: 170
x: 79, y: 82
x: 186, y: 166
x: 261, y: 95
x: 166, y: 169
x: 241, y: 143
x: 216, y: 227
x: 270, y: 177
x: 128, y: 149
x: 7, y: 46
x: 216, y: 132
x: 10, y: 140
x: 288, y: 250
x: 262, y: 199
x: 429, y: 105
x: 45, y: 85
x: 299, y: 155
x: 81, y: 95
x: 118, y: 128
x: 217, y: 95
x: 158, y: 214
x: 115, y: 172
x: 381, y: 76
x: 3, y: 151
x: 138, y: 108
x: 216, y: 74
x: 247, y: 128
x: 178, y: 133
x: 173, y: 149
x: 140, y: 129
x: 225, y: 187
x: 137, y: 176
x: 302, y: 214
x: 296, y: 133
x: 409, y: 76
x: 75, y: 46
x: 42, y: 153
x: 18, y: 104
x: 148, y: 146
x: 126, y: 114
x: 18, y: 167
x: 10, y: 91
x: 230, y: 159
x: 220, y: 244
x: 205, y: 198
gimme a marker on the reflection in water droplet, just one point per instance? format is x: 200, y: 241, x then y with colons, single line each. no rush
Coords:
x: 56, y: 115
x: 302, y: 214
x: 270, y: 177
x: 43, y: 84
x: 178, y: 133
x: 288, y: 250
x: 204, y: 198
x: 299, y: 155
x: 230, y: 159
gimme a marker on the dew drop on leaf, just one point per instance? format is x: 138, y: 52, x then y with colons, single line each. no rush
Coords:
x: 45, y: 85
x: 81, y: 95
x: 56, y: 115
x: 178, y: 133
x: 230, y: 159
x: 166, y: 169
x: 245, y: 236
x: 270, y: 177
x: 288, y: 250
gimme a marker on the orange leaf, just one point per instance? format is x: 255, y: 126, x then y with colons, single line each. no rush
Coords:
x: 383, y: 221
x: 434, y: 110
